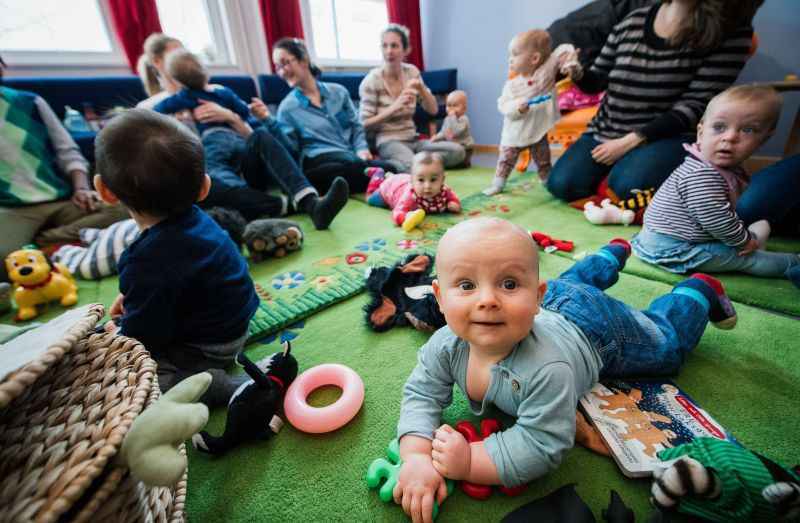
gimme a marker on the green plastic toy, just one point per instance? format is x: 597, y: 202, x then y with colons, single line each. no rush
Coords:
x: 388, y: 470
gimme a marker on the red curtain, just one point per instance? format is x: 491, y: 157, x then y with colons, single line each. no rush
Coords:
x: 281, y: 18
x: 134, y: 21
x: 406, y: 12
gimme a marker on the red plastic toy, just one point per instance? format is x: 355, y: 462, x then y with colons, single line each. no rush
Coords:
x: 470, y: 433
x: 546, y: 241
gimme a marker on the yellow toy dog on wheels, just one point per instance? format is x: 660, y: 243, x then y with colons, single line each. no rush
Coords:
x: 37, y: 281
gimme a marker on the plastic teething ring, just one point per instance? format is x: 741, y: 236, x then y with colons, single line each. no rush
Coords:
x: 317, y: 420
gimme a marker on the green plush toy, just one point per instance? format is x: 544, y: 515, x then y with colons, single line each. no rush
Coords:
x: 150, y: 449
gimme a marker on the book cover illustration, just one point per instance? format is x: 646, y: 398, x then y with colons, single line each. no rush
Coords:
x: 639, y: 418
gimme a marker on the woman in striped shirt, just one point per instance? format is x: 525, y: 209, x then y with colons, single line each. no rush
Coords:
x: 660, y: 66
x: 691, y: 224
x: 389, y: 96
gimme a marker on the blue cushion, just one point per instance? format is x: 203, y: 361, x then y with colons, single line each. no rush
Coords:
x: 103, y: 92
x: 351, y: 81
x: 441, y: 81
x: 242, y: 85
x: 273, y: 89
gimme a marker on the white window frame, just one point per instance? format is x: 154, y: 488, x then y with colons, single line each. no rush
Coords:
x: 235, y: 26
x: 305, y: 13
x: 221, y: 33
x: 68, y: 59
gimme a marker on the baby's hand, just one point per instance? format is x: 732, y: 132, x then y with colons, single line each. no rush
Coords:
x: 451, y: 453
x: 449, y: 134
x: 418, y: 485
x: 749, y: 247
x: 453, y: 207
x: 524, y: 108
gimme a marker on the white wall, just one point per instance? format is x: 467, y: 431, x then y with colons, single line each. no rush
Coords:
x: 473, y: 36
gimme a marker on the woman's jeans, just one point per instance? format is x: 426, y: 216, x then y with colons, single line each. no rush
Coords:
x: 576, y: 175
x: 774, y: 195
x: 263, y: 163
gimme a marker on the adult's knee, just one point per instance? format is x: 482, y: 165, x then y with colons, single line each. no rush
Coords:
x: 564, y: 186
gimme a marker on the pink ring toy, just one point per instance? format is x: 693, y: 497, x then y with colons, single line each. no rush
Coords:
x: 317, y: 420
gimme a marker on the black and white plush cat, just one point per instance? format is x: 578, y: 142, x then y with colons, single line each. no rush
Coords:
x: 253, y: 408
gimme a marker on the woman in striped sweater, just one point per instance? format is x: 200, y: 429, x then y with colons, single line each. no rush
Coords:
x: 691, y: 224
x: 660, y: 66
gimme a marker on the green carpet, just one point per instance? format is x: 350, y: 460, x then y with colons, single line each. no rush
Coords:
x: 301, y: 477
x: 748, y: 379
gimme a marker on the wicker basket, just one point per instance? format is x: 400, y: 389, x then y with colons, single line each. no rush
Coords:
x: 63, y: 425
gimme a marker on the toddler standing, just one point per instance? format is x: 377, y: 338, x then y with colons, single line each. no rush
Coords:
x: 528, y: 102
x: 185, y: 290
x: 692, y: 224
x: 531, y: 349
x: 411, y: 196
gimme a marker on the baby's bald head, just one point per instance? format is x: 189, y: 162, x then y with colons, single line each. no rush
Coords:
x: 491, y: 235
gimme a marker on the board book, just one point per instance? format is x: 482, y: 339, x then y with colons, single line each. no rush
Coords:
x: 636, y: 419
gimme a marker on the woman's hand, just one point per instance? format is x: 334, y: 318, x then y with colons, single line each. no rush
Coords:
x: 405, y: 103
x: 258, y: 108
x: 211, y: 112
x: 86, y: 200
x: 417, y: 85
x: 365, y: 155
x: 609, y: 152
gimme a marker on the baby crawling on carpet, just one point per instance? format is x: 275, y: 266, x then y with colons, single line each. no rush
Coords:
x: 531, y: 348
x: 411, y: 196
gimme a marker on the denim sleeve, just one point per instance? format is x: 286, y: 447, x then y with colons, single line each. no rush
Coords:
x: 544, y: 431
x: 286, y: 124
x: 358, y: 138
x: 428, y: 391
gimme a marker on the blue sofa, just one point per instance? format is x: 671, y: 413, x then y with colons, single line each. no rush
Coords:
x: 107, y: 92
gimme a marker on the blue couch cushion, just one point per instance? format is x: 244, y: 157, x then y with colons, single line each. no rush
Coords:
x: 103, y: 92
x: 106, y: 92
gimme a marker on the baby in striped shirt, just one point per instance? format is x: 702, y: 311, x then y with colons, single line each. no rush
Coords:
x: 691, y: 224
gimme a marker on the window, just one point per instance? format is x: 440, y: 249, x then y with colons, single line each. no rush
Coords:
x: 31, y: 30
x: 200, y: 25
x: 345, y: 32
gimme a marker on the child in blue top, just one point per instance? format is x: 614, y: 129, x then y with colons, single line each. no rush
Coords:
x: 185, y: 290
x: 186, y: 69
x: 489, y: 291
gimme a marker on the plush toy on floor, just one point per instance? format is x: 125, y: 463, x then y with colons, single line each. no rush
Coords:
x: 253, y: 409
x: 150, y: 448
x: 607, y: 213
x: 272, y: 237
x: 721, y: 481
x: 37, y: 281
x: 231, y: 221
x: 402, y: 295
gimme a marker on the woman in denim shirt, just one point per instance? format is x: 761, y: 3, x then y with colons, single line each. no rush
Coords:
x: 320, y: 122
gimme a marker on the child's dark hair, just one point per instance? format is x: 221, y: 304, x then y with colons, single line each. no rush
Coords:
x: 298, y: 49
x: 151, y: 162
x: 400, y: 30
x: 185, y: 67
